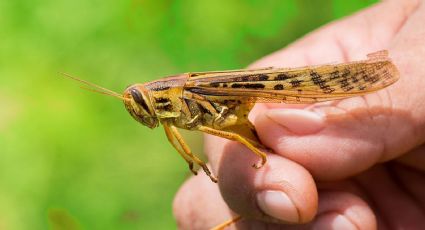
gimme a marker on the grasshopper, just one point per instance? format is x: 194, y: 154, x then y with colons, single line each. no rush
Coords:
x: 218, y: 103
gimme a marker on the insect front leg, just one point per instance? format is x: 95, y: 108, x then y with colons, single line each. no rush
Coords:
x: 221, y: 115
x: 238, y: 138
x: 170, y: 137
x: 189, y: 153
x: 193, y: 121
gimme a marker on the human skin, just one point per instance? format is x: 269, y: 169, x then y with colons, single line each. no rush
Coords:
x: 357, y: 163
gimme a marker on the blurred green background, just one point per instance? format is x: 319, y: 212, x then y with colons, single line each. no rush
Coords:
x: 70, y: 159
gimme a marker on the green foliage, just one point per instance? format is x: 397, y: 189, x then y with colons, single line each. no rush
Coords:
x: 70, y: 159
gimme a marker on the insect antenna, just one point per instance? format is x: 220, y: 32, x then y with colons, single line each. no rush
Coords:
x: 96, y: 88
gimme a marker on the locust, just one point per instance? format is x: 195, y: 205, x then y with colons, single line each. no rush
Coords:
x: 219, y: 102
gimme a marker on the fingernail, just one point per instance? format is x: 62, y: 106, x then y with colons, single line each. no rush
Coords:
x: 298, y: 121
x: 278, y: 205
x: 333, y: 221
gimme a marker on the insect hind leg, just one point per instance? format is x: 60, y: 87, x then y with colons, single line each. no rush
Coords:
x: 238, y: 138
x: 226, y: 224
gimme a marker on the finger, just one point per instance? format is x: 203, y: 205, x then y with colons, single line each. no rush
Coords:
x: 337, y: 210
x: 349, y: 136
x: 280, y: 191
x: 414, y: 159
x: 412, y: 182
x: 341, y: 210
x: 385, y: 185
x: 329, y: 141
x: 390, y: 187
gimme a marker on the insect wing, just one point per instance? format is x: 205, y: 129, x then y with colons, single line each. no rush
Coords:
x: 298, y: 85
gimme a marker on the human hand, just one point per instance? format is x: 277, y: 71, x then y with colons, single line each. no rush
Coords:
x: 357, y: 163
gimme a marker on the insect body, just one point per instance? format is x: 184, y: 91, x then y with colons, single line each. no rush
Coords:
x: 218, y: 103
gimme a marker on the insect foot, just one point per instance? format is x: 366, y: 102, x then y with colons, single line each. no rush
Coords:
x: 261, y: 163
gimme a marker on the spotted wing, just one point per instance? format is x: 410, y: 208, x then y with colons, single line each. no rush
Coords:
x: 298, y: 85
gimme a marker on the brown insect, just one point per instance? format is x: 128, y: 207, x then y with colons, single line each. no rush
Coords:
x: 218, y: 103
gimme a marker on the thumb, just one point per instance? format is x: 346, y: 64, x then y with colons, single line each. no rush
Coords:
x: 338, y: 139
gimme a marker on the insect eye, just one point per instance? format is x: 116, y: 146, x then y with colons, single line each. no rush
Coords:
x: 138, y: 98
